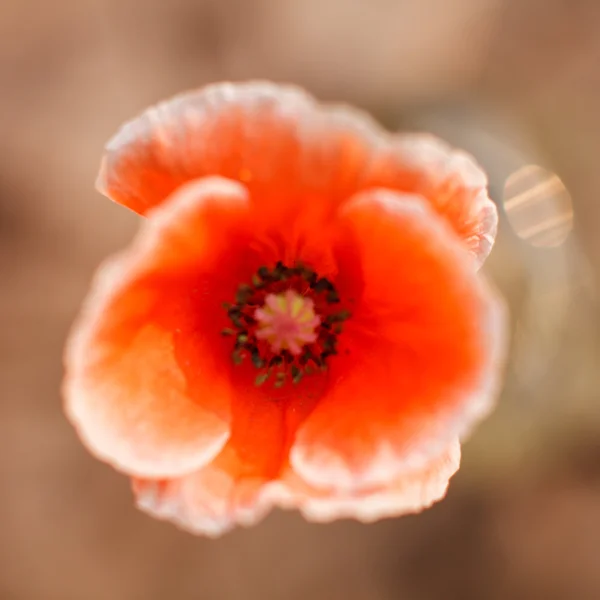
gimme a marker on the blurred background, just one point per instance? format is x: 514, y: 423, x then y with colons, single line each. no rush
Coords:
x: 517, y: 83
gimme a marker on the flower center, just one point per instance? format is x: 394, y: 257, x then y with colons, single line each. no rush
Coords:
x: 286, y: 322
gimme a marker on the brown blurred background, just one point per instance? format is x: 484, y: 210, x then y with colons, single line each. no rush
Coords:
x: 515, y: 82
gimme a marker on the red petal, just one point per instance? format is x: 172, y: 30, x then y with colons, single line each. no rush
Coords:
x: 409, y: 493
x: 146, y: 384
x: 296, y: 157
x: 230, y: 491
x: 418, y: 359
x: 215, y: 499
x: 209, y: 502
x: 449, y: 179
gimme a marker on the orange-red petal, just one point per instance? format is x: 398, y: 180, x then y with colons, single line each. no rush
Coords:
x: 411, y: 492
x: 231, y: 489
x: 145, y: 385
x: 210, y: 501
x: 295, y: 156
x: 216, y: 499
x: 449, y: 179
x: 418, y: 360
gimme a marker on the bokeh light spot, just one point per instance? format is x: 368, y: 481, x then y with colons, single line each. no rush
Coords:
x: 538, y: 206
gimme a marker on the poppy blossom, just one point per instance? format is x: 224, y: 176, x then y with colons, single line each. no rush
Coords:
x: 300, y: 321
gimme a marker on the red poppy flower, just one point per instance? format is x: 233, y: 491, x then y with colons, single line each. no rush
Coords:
x: 299, y: 322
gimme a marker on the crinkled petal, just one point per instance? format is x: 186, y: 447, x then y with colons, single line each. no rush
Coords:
x: 210, y: 501
x: 409, y: 493
x: 418, y: 360
x: 230, y: 491
x: 296, y: 157
x: 449, y: 179
x: 216, y: 499
x: 146, y: 383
